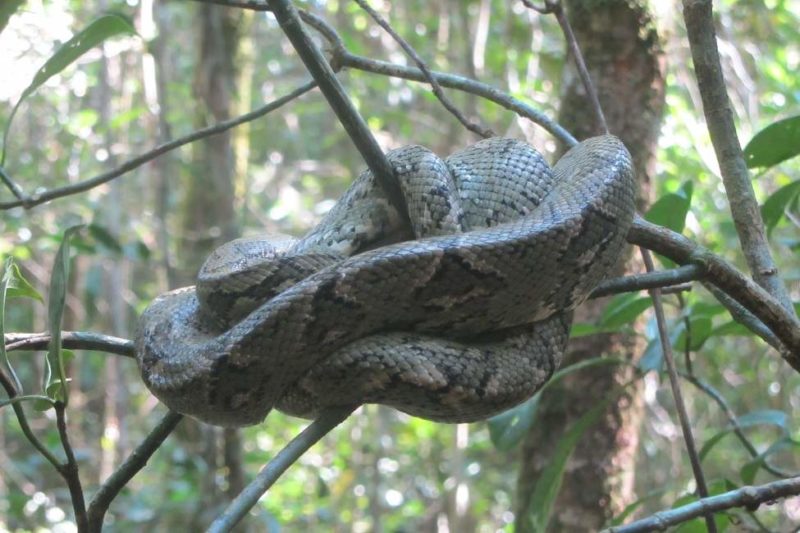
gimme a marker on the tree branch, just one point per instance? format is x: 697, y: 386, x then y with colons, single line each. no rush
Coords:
x: 437, y: 89
x: 246, y: 499
x: 82, y: 186
x: 22, y: 418
x: 69, y: 470
x: 554, y: 7
x: 15, y: 189
x: 749, y: 497
x: 680, y: 407
x: 289, y: 21
x: 132, y: 465
x: 733, y: 421
x: 648, y: 280
x: 726, y: 277
x: 342, y: 58
x: 72, y: 340
x: 746, y: 214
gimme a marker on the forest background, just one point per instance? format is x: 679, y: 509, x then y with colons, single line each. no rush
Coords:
x: 191, y: 65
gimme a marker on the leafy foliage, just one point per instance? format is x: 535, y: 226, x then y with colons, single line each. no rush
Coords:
x: 94, y: 34
x: 774, y: 144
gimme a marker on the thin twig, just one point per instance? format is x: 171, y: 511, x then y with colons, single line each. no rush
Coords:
x: 555, y: 7
x: 22, y: 418
x: 342, y: 58
x: 72, y: 340
x: 246, y: 499
x: 138, y: 161
x: 648, y: 280
x: 699, y: 18
x: 253, y: 5
x: 722, y: 274
x: 687, y: 342
x: 358, y: 131
x: 745, y: 317
x: 672, y: 371
x: 132, y: 465
x: 677, y: 289
x: 748, y: 497
x: 69, y: 470
x: 437, y: 89
x: 15, y: 189
x: 733, y: 421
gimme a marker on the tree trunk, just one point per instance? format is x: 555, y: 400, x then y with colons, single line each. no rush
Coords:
x: 621, y: 49
x: 207, y: 213
x: 208, y: 219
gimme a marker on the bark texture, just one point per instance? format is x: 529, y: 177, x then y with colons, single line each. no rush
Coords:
x: 207, y: 220
x: 621, y: 49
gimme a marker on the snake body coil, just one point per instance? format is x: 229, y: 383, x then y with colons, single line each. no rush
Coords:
x: 455, y: 319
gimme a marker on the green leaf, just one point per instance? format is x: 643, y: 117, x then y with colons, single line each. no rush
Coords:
x: 775, y: 206
x: 771, y: 417
x: 37, y: 400
x: 137, y: 250
x: 766, y: 417
x: 102, y: 236
x: 748, y: 471
x: 56, y: 391
x: 55, y: 312
x: 95, y: 33
x: 19, y: 287
x: 9, y: 270
x: 731, y: 328
x: 549, y: 482
x: 653, y: 357
x: 671, y: 209
x: 699, y: 331
x: 507, y: 429
x: 776, y: 143
x: 8, y: 8
x: 630, y: 508
x: 623, y: 309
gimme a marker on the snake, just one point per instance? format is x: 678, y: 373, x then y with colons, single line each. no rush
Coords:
x: 455, y: 310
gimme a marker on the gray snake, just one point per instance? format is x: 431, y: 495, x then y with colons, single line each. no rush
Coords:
x: 459, y: 317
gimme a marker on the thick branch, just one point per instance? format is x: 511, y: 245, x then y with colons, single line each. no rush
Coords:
x: 699, y: 20
x: 748, y: 497
x: 289, y: 20
x: 726, y: 277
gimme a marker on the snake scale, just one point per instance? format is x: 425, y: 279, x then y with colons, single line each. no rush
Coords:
x: 462, y: 315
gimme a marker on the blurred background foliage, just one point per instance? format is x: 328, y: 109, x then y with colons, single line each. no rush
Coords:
x: 381, y: 470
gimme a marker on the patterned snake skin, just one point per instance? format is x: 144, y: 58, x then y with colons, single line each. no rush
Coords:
x: 463, y: 315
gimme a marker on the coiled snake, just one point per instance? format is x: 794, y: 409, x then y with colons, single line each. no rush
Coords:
x: 455, y: 319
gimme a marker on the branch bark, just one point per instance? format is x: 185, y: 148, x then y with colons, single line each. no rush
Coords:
x: 133, y: 464
x: 749, y: 497
x: 726, y: 277
x: 698, y: 15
